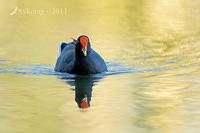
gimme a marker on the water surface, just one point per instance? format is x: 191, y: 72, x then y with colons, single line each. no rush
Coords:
x: 151, y: 49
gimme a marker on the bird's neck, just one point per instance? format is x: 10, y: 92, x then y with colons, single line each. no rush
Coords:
x: 79, y: 52
x: 81, y: 55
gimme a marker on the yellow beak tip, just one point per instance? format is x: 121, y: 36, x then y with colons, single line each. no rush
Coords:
x: 85, y: 53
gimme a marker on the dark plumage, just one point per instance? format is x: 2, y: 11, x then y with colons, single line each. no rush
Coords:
x: 78, y: 57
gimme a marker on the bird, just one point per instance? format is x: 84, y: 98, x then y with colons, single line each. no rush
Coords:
x: 78, y: 57
x: 82, y: 85
x: 14, y: 11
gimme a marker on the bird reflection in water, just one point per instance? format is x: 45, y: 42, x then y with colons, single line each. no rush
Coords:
x: 83, y: 88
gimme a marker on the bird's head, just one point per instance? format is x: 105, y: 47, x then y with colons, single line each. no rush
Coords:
x: 83, y: 45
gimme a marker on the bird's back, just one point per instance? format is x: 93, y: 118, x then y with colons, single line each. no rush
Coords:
x: 66, y: 59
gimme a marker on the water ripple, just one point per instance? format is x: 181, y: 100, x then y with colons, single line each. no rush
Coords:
x: 47, y: 69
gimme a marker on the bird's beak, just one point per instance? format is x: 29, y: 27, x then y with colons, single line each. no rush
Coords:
x: 84, y: 103
x: 84, y: 51
x: 84, y: 42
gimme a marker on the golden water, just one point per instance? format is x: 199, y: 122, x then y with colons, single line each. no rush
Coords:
x: 159, y: 39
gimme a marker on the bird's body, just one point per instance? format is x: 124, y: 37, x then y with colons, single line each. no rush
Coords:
x: 74, y: 59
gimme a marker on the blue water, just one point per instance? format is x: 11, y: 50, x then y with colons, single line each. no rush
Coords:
x: 113, y: 68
